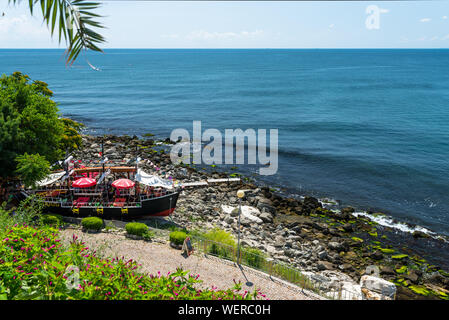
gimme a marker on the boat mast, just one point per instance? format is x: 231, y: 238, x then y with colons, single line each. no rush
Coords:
x: 135, y: 175
x: 102, y: 163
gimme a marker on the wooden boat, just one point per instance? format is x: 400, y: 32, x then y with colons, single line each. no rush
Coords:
x: 144, y: 199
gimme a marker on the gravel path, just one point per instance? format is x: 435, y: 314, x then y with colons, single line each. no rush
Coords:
x: 161, y: 257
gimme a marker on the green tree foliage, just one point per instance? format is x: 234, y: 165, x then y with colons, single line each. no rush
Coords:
x: 74, y: 20
x: 71, y: 139
x: 30, y: 124
x: 32, y: 168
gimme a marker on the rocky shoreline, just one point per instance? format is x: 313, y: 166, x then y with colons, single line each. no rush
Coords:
x: 335, y: 249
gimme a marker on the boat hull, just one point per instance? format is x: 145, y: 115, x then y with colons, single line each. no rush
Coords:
x: 160, y: 206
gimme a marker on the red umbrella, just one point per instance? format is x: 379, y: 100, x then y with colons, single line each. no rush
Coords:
x: 84, y: 183
x: 123, y: 184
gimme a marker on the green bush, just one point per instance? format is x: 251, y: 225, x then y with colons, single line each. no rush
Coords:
x: 253, y: 257
x: 136, y: 228
x: 178, y: 237
x: 225, y: 246
x: 51, y: 219
x: 148, y: 235
x: 221, y: 236
x: 48, y: 274
x: 92, y: 223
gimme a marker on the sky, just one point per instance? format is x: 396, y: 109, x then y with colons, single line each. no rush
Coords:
x: 230, y: 24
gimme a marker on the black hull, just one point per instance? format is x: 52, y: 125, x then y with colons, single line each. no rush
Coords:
x: 160, y: 206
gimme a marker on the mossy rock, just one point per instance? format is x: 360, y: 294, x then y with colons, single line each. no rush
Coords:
x: 387, y: 250
x: 419, y: 290
x: 443, y: 273
x: 357, y: 239
x: 399, y: 256
x: 402, y: 270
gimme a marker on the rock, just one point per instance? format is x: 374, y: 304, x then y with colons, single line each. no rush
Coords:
x: 413, y: 276
x: 322, y: 255
x: 249, y: 215
x: 270, y: 249
x: 229, y: 220
x: 324, y: 265
x: 335, y: 246
x: 378, y: 285
x: 347, y: 227
x: 289, y: 253
x: 346, y: 213
x: 310, y: 204
x: 264, y: 204
x: 279, y: 241
x: 228, y: 210
x: 437, y: 279
x: 420, y: 234
x: 377, y: 255
x: 266, y: 217
x: 351, y: 291
x: 387, y: 270
x: 347, y: 210
x: 346, y: 267
x: 370, y: 295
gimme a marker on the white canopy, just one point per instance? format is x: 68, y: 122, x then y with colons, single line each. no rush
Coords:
x: 152, y: 180
x: 52, y: 178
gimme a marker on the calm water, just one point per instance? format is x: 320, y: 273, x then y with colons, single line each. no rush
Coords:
x: 368, y: 127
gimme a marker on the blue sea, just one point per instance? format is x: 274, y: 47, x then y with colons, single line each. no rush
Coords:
x: 367, y: 127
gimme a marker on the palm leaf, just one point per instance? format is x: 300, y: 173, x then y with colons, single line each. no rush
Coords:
x: 74, y: 20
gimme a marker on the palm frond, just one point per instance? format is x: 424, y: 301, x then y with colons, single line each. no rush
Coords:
x: 74, y: 20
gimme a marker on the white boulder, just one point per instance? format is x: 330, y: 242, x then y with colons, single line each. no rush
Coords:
x: 384, y: 288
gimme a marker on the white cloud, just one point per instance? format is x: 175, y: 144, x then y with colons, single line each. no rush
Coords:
x: 434, y: 38
x: 382, y: 10
x: 22, y: 31
x: 446, y: 37
x: 205, y: 35
x: 331, y: 25
x: 444, y: 17
x: 170, y: 36
x: 425, y: 20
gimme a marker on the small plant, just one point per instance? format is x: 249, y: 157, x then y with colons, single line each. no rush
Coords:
x: 177, y: 237
x: 253, y: 257
x: 223, y: 243
x: 136, y: 228
x: 148, y: 235
x: 92, y: 223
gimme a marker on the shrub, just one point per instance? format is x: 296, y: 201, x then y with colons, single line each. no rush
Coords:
x: 32, y: 168
x: 51, y: 219
x: 178, y: 237
x: 136, y: 228
x: 225, y: 246
x: 148, y: 235
x: 221, y: 236
x: 92, y: 223
x: 253, y: 257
